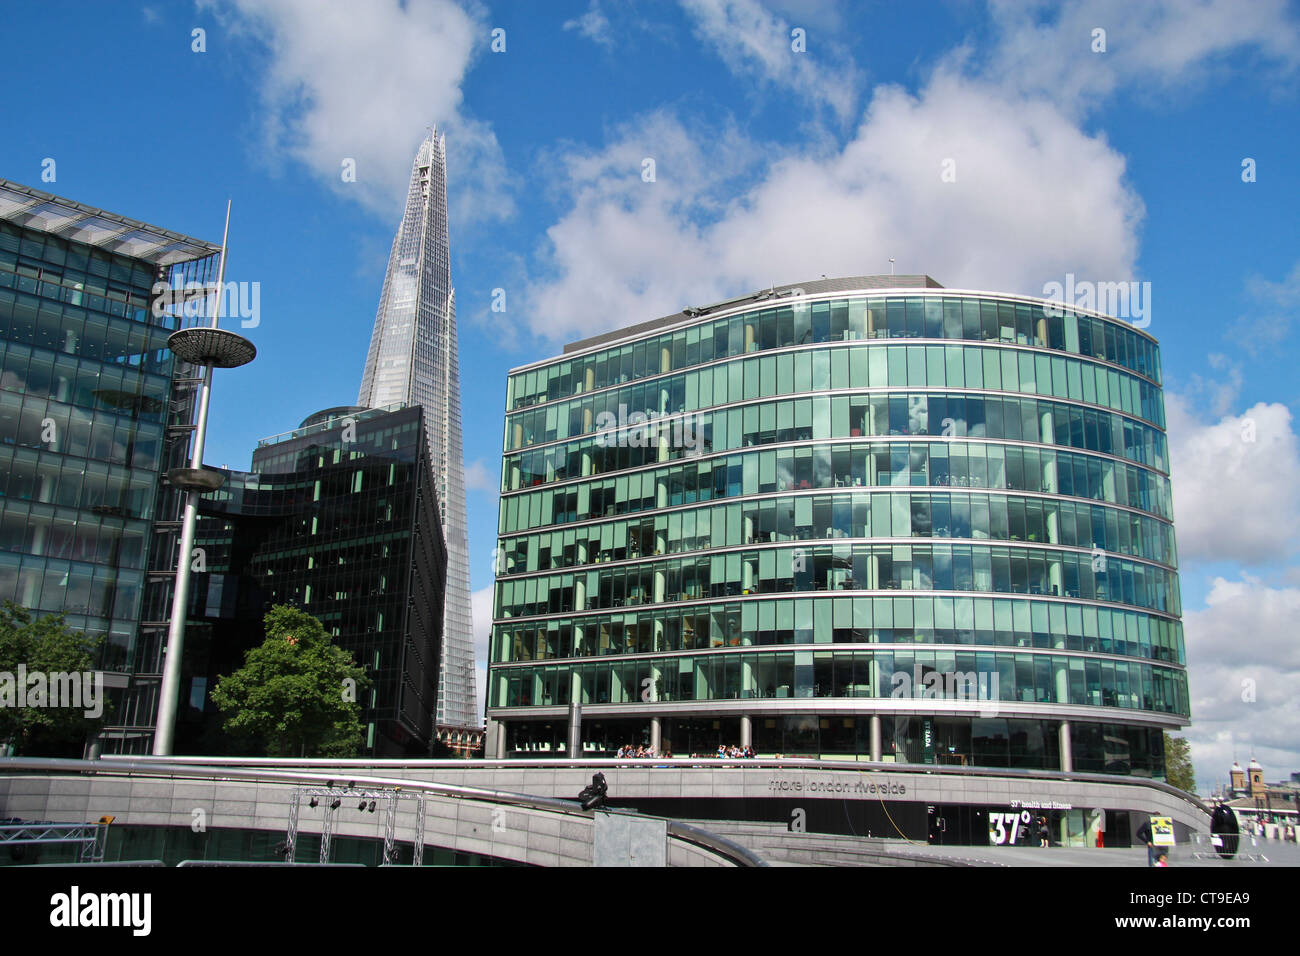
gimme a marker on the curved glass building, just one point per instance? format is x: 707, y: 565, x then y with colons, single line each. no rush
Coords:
x: 867, y: 518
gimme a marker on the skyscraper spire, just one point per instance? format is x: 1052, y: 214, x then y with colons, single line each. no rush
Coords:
x: 414, y: 359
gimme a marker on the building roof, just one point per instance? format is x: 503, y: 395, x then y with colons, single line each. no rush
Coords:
x: 843, y: 284
x: 33, y: 209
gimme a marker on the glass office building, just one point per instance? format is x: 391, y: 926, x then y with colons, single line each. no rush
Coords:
x: 862, y: 518
x: 87, y: 389
x: 340, y: 518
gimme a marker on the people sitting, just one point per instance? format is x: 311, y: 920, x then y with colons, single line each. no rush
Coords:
x: 639, y: 752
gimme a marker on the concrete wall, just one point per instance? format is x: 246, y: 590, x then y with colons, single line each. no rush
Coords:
x: 629, y: 782
x: 536, y: 836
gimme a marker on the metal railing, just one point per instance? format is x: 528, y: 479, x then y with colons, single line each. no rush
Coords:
x: 598, y: 763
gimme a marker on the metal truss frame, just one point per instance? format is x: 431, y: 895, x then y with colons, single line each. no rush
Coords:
x: 92, y: 837
x: 388, y: 798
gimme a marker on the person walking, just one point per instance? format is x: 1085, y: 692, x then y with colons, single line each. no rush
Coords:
x: 1144, y: 834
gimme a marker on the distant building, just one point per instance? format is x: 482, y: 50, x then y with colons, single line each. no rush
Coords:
x: 414, y: 359
x: 1258, y: 802
x: 338, y: 517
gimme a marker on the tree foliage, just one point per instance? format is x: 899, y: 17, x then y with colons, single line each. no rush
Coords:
x: 296, y: 691
x: 43, y: 645
x: 1178, y: 763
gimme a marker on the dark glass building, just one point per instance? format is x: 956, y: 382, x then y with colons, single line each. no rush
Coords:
x: 87, y: 391
x: 340, y: 518
x: 865, y: 518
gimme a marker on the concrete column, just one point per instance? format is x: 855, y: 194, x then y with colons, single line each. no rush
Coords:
x: 575, y: 727
x: 494, y: 740
x: 38, y: 539
x: 746, y: 730
x: 1067, y: 757
x: 656, y: 734
x: 44, y: 487
x: 876, y: 751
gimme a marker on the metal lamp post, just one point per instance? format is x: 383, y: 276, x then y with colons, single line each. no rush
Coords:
x: 207, y: 347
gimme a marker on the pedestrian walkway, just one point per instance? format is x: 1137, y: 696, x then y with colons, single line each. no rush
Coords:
x: 1264, y: 853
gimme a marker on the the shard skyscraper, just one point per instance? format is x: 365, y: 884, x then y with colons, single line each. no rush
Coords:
x: 414, y: 359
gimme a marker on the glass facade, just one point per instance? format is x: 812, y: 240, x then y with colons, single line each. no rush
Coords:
x: 908, y: 489
x: 88, y: 390
x: 340, y: 519
x: 414, y: 359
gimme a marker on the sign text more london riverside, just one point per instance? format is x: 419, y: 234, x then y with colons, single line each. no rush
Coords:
x: 860, y: 787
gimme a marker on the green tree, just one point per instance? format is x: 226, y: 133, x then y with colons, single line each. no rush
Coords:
x: 45, y: 646
x: 1178, y: 763
x: 297, y: 691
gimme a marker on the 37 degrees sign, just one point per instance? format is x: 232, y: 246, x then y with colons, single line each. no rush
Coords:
x: 1004, y: 828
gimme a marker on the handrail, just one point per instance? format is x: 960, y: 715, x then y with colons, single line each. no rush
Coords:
x: 167, y: 766
x: 805, y: 763
x: 713, y: 841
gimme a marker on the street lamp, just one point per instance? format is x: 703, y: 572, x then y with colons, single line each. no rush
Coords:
x: 208, y: 348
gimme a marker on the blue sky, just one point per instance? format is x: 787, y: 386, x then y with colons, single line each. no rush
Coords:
x: 772, y: 165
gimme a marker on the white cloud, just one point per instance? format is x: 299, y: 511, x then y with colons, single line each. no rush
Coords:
x: 479, y: 477
x: 593, y: 25
x: 1243, y: 666
x: 1234, y: 483
x: 1034, y: 198
x: 361, y: 82
x: 755, y: 42
x: 1154, y: 47
x: 1276, y: 306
